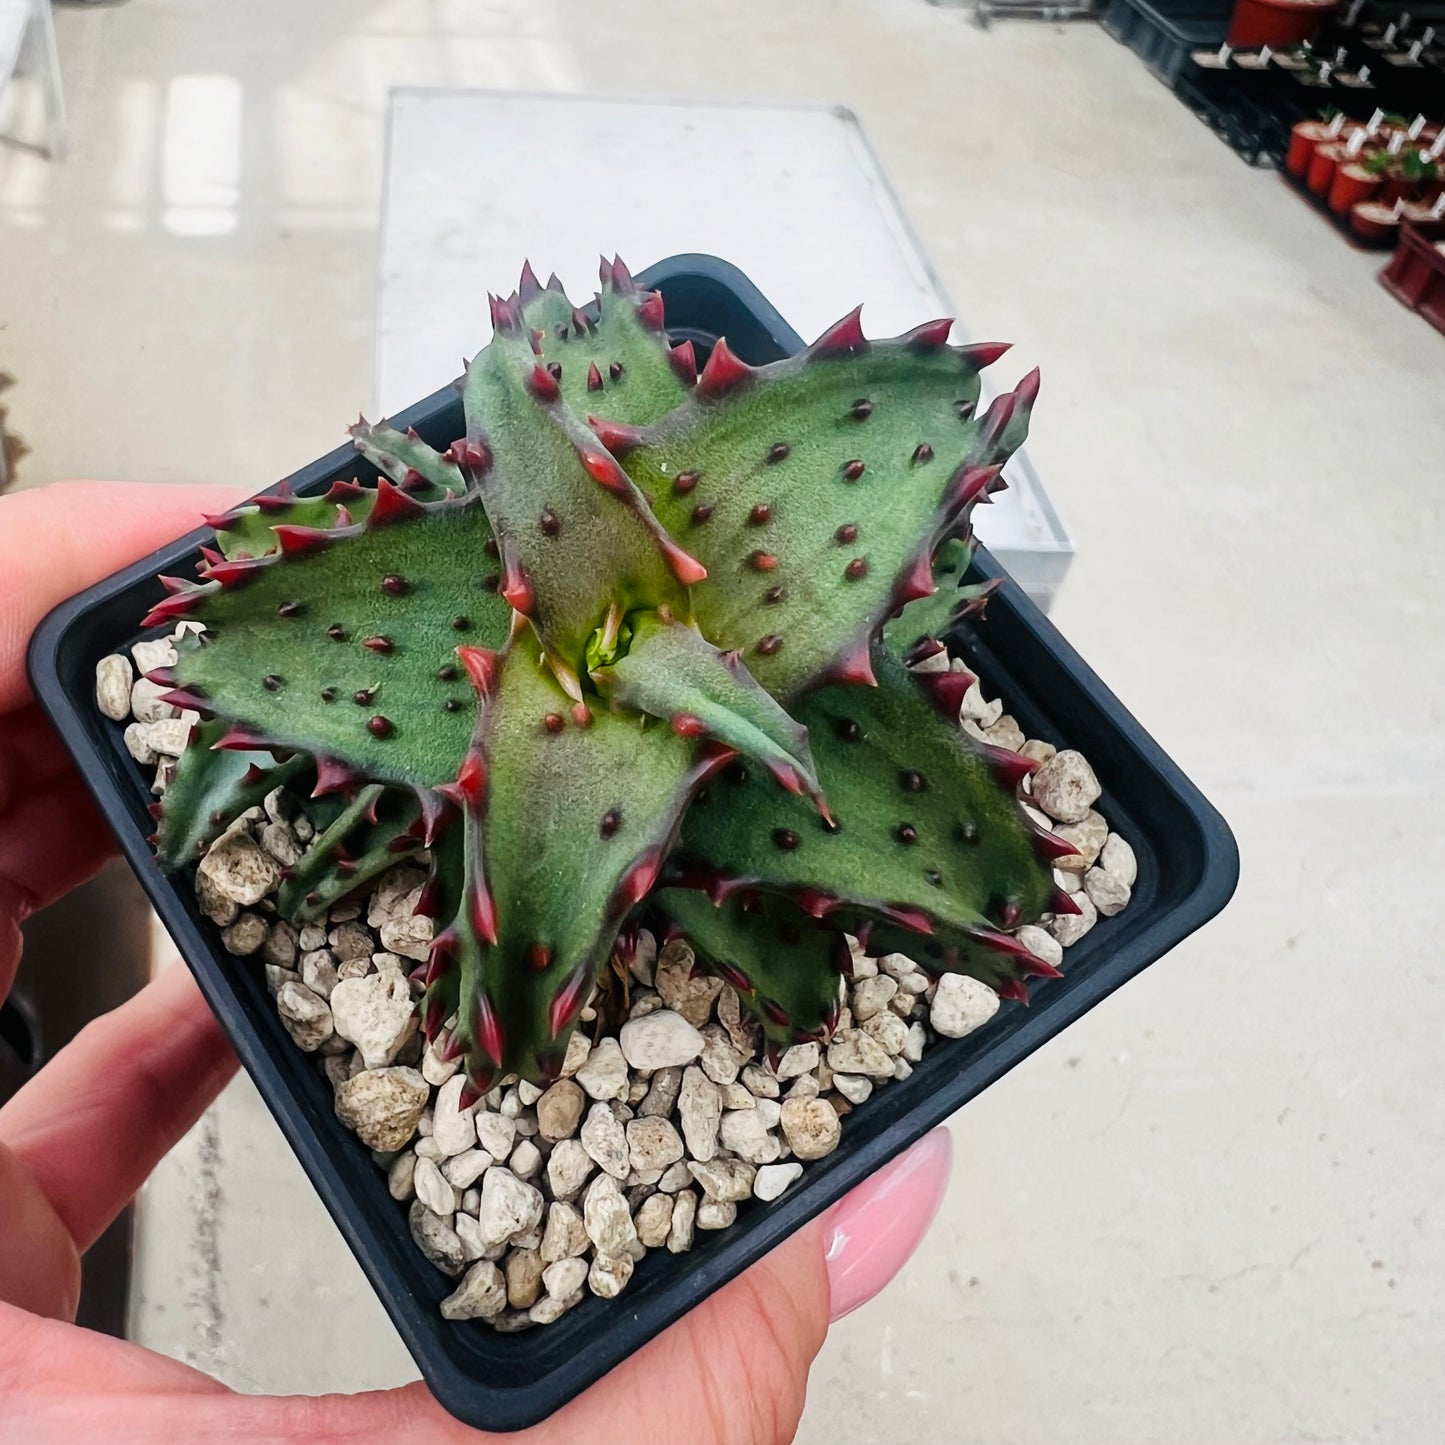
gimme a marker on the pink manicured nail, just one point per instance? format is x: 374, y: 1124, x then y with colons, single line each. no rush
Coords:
x: 872, y: 1232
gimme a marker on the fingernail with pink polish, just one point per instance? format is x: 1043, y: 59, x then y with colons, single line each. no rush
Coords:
x: 872, y: 1232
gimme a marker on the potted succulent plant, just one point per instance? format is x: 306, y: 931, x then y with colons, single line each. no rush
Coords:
x: 581, y: 796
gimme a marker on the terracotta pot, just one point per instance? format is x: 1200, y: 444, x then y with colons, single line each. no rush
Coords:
x: 1303, y: 139
x: 1351, y: 184
x: 1276, y: 23
x: 1374, y: 221
x: 1322, y: 167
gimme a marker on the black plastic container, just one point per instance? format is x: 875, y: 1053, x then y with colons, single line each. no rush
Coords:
x: 1187, y: 870
x: 1163, y: 33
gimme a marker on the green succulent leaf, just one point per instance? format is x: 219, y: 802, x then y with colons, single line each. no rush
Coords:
x: 815, y: 489
x: 577, y: 538
x: 620, y: 363
x: 209, y: 790
x: 349, y: 650
x: 673, y: 673
x: 375, y: 831
x: 784, y: 965
x: 924, y: 830
x: 564, y: 834
x: 423, y: 471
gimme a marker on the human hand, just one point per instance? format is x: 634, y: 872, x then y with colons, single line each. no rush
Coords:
x: 82, y: 1136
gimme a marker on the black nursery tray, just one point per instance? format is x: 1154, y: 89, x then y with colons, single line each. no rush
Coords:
x: 1188, y: 866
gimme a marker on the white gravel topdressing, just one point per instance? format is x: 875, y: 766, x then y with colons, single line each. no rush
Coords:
x: 530, y: 1198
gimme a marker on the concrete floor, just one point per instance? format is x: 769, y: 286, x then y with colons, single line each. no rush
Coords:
x: 1212, y: 1211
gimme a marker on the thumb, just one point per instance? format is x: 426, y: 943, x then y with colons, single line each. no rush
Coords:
x: 735, y: 1370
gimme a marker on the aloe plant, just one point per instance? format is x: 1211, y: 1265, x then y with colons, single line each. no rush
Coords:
x: 637, y: 645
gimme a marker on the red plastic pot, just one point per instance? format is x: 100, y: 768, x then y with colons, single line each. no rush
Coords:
x: 1322, y: 167
x: 1303, y: 139
x: 1374, y: 221
x: 1351, y: 184
x: 1277, y: 23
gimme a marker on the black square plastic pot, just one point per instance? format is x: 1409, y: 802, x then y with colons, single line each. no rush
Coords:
x: 1188, y: 866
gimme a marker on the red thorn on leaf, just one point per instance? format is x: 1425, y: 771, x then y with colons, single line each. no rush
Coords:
x: 581, y: 715
x: 334, y: 776
x: 472, y: 780
x: 516, y: 588
x: 392, y: 505
x: 814, y: 902
x: 688, y: 725
x: 1015, y: 989
x: 622, y: 281
x: 581, y: 322
x: 685, y: 567
x: 238, y: 740
x: 616, y: 436
x: 922, y: 650
x: 1027, y: 390
x: 970, y: 484
x: 723, y: 372
x: 154, y: 809
x: 172, y: 608
x: 775, y: 1013
x: 554, y: 283
x: 174, y: 585
x: 271, y: 502
x: 483, y: 910
x: 528, y: 288
x: 984, y: 353
x: 603, y: 469
x: 435, y: 814
x: 1052, y: 847
x: 220, y: 521
x: 915, y: 920
x: 930, y: 336
x: 539, y: 957
x: 211, y: 555
x: 489, y: 1028
x: 733, y: 976
x: 786, y: 776
x: 569, y: 1000
x: 237, y: 573
x: 637, y: 882
x: 1063, y: 903
x: 594, y: 378
x: 1037, y: 967
x: 184, y: 697
x: 917, y: 581
x: 472, y: 455
x: 649, y: 310
x: 684, y: 363
x: 451, y: 1048
x: 947, y: 690
x: 163, y: 677
x: 481, y: 664
x: 474, y: 1090
x: 842, y: 337
x: 543, y: 385
x: 1010, y: 768
x: 302, y: 541
x: 340, y: 492
x: 433, y: 1019
x: 995, y: 422
x: 840, y: 955
x: 855, y: 666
